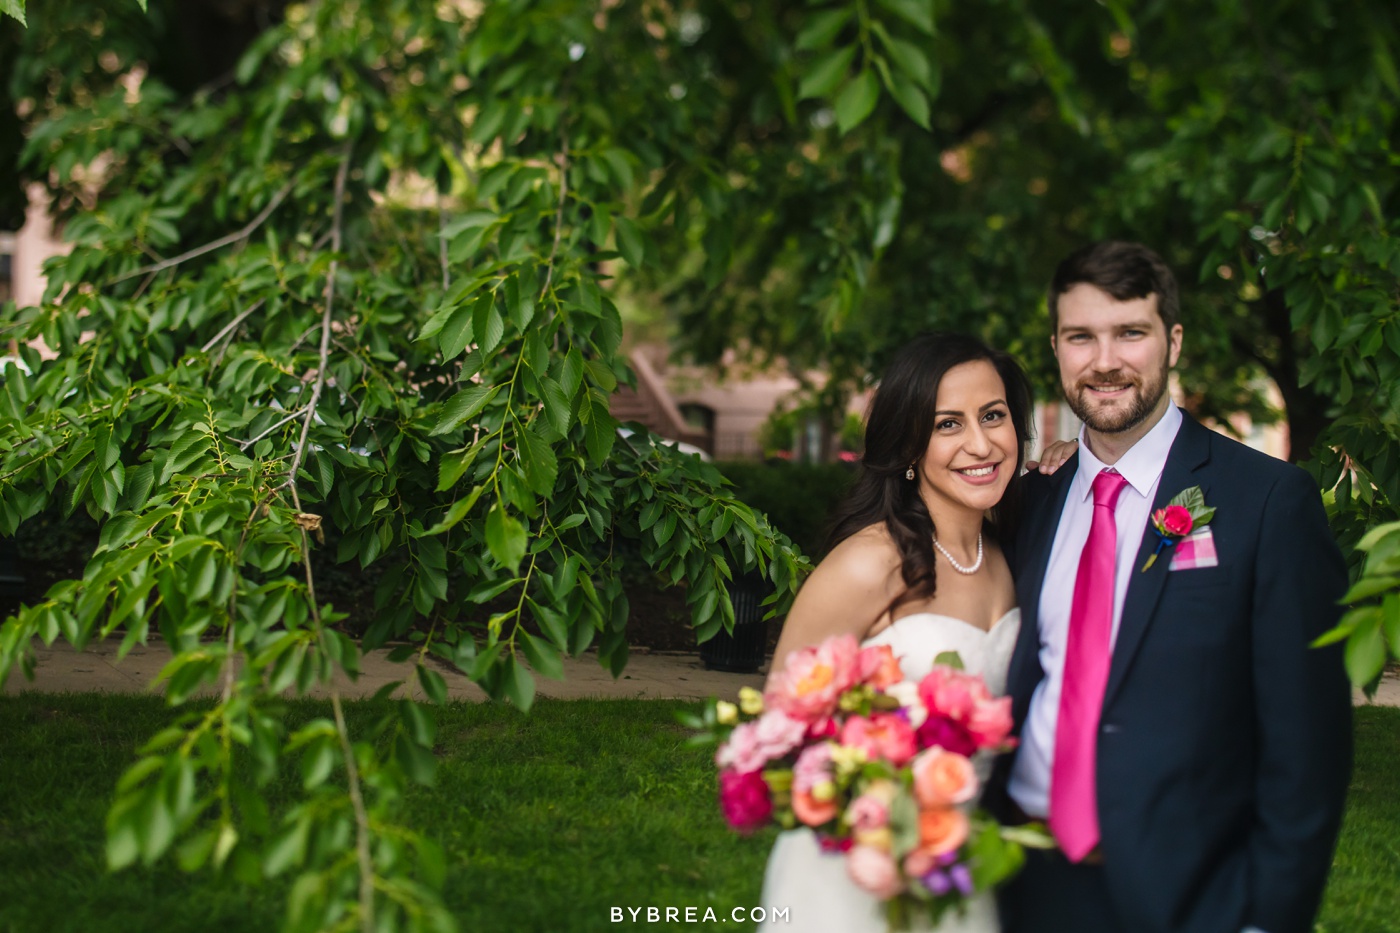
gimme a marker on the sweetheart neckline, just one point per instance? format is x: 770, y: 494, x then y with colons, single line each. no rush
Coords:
x: 939, y: 615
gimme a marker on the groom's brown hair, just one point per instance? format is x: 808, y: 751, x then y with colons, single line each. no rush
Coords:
x: 1123, y: 270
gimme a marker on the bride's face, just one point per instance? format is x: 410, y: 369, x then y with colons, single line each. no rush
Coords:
x: 972, y: 451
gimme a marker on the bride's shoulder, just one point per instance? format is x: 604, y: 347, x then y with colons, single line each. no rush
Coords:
x: 867, y: 557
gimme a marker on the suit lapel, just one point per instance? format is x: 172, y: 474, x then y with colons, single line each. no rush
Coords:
x: 1189, y: 452
x: 1035, y: 541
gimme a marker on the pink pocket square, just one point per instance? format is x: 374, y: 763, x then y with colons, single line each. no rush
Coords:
x: 1195, y: 550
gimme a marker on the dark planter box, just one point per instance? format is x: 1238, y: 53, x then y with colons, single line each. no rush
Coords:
x: 741, y: 651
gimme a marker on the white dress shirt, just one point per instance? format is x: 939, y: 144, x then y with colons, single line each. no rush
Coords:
x: 1142, y: 467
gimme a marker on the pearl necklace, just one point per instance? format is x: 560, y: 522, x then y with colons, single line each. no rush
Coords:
x: 976, y: 565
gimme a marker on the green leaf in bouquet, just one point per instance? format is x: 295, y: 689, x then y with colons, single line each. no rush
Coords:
x: 992, y: 858
x: 904, y: 824
x: 949, y: 659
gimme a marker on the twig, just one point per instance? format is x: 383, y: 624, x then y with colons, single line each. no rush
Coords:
x: 559, y: 212
x: 442, y: 244
x: 244, y: 445
x: 220, y: 243
x: 325, y: 327
x: 352, y: 774
x: 231, y: 326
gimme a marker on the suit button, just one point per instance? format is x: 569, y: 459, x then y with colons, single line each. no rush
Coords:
x: 1109, y: 728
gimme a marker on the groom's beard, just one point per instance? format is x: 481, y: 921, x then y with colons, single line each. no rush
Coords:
x: 1142, y: 399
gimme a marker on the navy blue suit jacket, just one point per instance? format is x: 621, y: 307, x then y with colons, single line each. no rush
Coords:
x: 1224, y: 749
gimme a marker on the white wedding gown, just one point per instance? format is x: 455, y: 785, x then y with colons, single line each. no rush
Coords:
x: 808, y: 887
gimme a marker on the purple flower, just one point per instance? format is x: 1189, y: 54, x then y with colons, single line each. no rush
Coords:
x: 938, y: 883
x: 962, y: 878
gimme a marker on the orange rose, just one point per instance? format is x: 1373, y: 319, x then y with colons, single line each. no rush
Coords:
x: 942, y: 829
x: 942, y: 777
x: 812, y: 811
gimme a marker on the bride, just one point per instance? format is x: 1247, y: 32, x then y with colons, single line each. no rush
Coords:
x: 915, y: 562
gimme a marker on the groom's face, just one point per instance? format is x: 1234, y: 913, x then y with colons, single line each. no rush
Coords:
x: 1114, y: 358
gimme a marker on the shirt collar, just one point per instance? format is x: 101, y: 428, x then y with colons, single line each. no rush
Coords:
x: 1141, y: 466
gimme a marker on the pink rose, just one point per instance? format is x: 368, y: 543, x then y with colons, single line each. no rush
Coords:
x: 951, y: 693
x: 813, y: 679
x: 878, y: 667
x: 942, y: 732
x: 874, y: 871
x: 745, y: 800
x: 755, y: 743
x: 825, y: 728
x: 990, y: 723
x: 813, y: 767
x: 867, y: 812
x: 881, y: 736
x: 919, y: 862
x: 1174, y: 520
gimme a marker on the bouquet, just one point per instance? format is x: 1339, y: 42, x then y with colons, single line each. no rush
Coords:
x: 879, y: 767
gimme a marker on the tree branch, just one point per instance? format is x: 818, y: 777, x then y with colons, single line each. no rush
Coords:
x: 231, y: 326
x: 220, y: 243
x: 559, y: 212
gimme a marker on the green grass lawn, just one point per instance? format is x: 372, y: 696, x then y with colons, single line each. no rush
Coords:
x: 549, y: 821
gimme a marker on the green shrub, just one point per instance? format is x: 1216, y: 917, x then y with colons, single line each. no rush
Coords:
x: 799, y: 498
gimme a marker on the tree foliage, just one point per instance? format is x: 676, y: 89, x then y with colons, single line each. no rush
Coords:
x: 356, y: 293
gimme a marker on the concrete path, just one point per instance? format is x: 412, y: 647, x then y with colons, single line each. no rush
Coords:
x: 649, y: 675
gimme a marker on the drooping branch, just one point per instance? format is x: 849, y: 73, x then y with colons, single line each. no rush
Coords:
x: 232, y: 325
x: 227, y: 240
x: 559, y: 211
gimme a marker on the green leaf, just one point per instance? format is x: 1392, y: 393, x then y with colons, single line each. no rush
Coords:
x: 1367, y: 587
x: 856, y: 101
x: 826, y: 73
x: 538, y: 460
x: 949, y: 659
x: 544, y: 658
x: 15, y: 8
x: 558, y: 410
x: 506, y: 538
x: 629, y: 242
x: 434, y: 687
x: 821, y: 28
x: 457, y: 512
x: 910, y: 99
x: 918, y: 13
x: 417, y: 762
x: 456, y: 332
x: 519, y: 684
x: 463, y: 406
x: 1365, y: 652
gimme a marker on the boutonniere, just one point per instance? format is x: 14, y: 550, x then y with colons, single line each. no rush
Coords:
x: 1186, y: 512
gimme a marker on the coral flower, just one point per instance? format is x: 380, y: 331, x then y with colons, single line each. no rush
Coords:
x: 811, y: 811
x: 942, y: 829
x: 882, y: 735
x: 943, y: 778
x: 878, y: 667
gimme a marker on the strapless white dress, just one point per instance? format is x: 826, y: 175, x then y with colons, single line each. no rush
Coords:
x: 810, y: 886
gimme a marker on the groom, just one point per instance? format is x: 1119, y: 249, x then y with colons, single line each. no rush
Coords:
x: 1188, y: 750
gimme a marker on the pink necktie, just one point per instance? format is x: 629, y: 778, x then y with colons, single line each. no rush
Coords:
x: 1074, y: 816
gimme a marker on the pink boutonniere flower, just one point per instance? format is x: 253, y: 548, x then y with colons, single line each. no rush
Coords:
x: 1185, y: 513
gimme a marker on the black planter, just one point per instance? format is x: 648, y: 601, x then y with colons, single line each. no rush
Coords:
x: 741, y: 651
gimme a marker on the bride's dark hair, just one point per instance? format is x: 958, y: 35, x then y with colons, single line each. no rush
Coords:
x: 897, y: 431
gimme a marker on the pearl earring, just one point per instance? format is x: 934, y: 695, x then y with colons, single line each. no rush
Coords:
x: 909, y: 473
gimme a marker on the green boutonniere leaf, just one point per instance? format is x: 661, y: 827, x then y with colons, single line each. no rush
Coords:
x: 1194, y: 501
